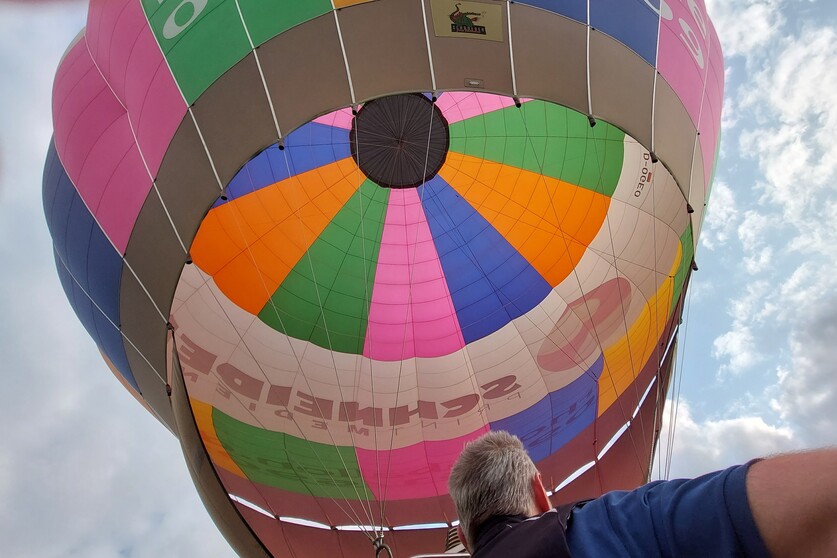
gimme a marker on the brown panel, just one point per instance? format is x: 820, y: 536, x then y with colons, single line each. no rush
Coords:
x: 386, y: 48
x: 305, y: 72
x: 152, y: 388
x: 155, y: 254
x: 621, y: 87
x: 234, y: 117
x: 457, y: 59
x: 550, y: 59
x: 186, y: 182
x: 674, y: 134
x: 212, y: 493
x: 142, y: 324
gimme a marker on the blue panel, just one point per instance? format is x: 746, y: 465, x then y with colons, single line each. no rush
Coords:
x: 632, y: 22
x: 573, y: 9
x: 559, y: 417
x: 489, y: 281
x: 308, y: 147
x: 83, y: 252
x: 104, y: 273
x: 106, y: 336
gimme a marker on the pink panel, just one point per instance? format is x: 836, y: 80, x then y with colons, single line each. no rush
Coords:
x: 128, y: 56
x: 96, y: 144
x: 710, y: 118
x: 684, y: 55
x: 339, y: 119
x: 460, y: 105
x: 417, y: 471
x: 411, y: 314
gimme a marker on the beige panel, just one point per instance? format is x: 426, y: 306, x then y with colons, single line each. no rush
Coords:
x: 386, y: 48
x: 305, y: 72
x: 550, y: 57
x: 458, y: 59
x: 621, y: 87
x: 143, y: 326
x: 155, y: 254
x: 674, y: 134
x: 212, y: 493
x: 234, y: 118
x: 152, y: 388
x: 186, y: 182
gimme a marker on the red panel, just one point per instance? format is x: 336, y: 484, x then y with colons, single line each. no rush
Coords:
x: 268, y: 530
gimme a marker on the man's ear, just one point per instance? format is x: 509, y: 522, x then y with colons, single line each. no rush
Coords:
x: 462, y: 537
x: 541, y: 498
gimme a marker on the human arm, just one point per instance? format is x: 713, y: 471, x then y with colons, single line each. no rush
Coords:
x: 793, y: 498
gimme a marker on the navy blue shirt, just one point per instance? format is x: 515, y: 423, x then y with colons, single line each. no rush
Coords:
x: 708, y: 516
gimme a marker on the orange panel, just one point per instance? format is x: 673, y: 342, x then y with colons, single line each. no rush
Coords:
x: 624, y: 360
x: 249, y: 244
x: 220, y: 458
x: 550, y: 222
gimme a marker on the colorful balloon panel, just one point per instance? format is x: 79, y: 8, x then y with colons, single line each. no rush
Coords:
x: 328, y: 243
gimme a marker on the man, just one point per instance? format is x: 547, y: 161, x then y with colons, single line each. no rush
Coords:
x: 783, y: 506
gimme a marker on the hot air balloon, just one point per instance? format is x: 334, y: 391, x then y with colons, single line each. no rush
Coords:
x: 326, y: 243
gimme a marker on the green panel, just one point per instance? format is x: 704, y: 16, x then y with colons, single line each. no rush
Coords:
x: 201, y: 39
x: 290, y: 463
x: 688, y: 247
x: 548, y: 139
x: 265, y: 20
x: 342, y: 260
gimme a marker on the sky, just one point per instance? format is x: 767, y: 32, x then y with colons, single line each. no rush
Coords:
x: 85, y: 471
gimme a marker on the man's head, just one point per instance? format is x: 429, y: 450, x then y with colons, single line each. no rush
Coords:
x: 494, y: 476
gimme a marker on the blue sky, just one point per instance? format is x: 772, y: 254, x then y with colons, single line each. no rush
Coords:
x: 85, y: 471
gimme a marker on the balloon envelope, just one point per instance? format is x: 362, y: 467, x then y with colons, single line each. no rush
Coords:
x: 328, y: 243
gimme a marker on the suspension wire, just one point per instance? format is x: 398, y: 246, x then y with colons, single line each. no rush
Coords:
x: 367, y: 508
x: 408, y: 311
x: 243, y: 343
x: 563, y: 236
x: 301, y: 369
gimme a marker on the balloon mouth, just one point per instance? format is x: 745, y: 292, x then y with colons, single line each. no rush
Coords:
x: 399, y: 141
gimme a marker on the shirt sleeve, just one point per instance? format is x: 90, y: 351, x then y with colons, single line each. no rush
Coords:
x: 705, y: 516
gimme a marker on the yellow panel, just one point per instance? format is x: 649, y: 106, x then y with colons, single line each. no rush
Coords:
x: 203, y: 417
x: 550, y: 222
x: 624, y: 360
x: 250, y: 244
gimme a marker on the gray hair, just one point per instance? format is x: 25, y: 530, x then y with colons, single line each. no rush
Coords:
x: 493, y: 476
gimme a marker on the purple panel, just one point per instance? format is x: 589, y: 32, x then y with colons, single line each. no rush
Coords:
x: 632, y: 22
x: 573, y: 9
x: 489, y: 281
x: 557, y: 418
x: 308, y: 147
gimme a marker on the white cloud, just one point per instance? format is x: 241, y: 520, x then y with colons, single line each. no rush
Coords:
x: 721, y: 217
x: 737, y: 346
x: 708, y: 445
x: 807, y: 394
x: 745, y: 26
